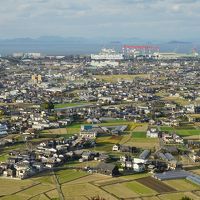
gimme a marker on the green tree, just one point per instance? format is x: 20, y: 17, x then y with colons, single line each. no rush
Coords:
x: 2, y: 112
x: 47, y: 105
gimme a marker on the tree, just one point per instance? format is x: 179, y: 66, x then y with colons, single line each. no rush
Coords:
x: 2, y: 112
x: 47, y: 106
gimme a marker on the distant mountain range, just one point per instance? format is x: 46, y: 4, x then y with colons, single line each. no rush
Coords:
x: 80, y: 45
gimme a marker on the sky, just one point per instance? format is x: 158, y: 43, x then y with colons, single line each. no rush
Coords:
x: 155, y: 19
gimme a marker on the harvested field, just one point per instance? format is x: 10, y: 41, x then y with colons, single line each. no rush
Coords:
x: 178, y: 195
x: 139, y: 188
x: 121, y: 191
x: 40, y: 197
x: 9, y: 186
x: 80, y: 191
x: 38, y: 189
x: 53, y: 194
x: 89, y: 178
x: 109, y: 181
x: 69, y: 175
x: 155, y: 185
x: 181, y: 185
x: 136, y: 176
x: 148, y: 143
x: 141, y: 128
x: 150, y: 198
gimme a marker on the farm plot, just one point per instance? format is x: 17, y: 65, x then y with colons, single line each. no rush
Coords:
x: 155, y: 185
x: 105, y: 143
x: 121, y: 191
x: 139, y: 134
x: 136, y: 176
x: 148, y: 143
x: 40, y: 197
x: 178, y: 195
x: 8, y: 186
x: 61, y: 132
x: 69, y: 175
x: 150, y: 198
x: 141, y: 128
x: 189, y: 132
x: 53, y: 194
x: 80, y: 191
x: 184, y: 132
x: 89, y: 178
x: 15, y: 197
x: 109, y: 181
x: 139, y: 188
x: 181, y: 185
x: 36, y: 190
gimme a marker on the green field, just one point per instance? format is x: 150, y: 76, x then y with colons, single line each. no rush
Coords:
x: 188, y: 132
x: 64, y: 105
x: 77, y: 185
x: 3, y: 157
x: 166, y: 128
x: 139, y: 188
x: 61, y: 132
x: 69, y: 175
x: 139, y: 134
x: 182, y: 132
x: 106, y: 143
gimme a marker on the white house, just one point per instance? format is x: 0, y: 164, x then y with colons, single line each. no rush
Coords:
x: 115, y: 147
x: 152, y: 133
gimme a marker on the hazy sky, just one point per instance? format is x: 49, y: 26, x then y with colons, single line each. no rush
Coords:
x: 161, y: 19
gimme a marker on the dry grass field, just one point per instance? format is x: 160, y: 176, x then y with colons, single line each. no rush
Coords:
x: 53, y: 194
x: 148, y: 143
x: 84, y: 190
x: 178, y: 195
x: 77, y: 185
x: 121, y: 191
x: 182, y: 185
x: 141, y: 128
x: 90, y: 179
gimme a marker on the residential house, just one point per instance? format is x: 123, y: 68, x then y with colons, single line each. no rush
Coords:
x: 107, y: 169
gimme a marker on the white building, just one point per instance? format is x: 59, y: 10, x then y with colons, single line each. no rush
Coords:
x: 107, y: 54
x: 152, y: 133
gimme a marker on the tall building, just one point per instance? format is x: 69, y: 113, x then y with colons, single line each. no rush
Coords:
x: 39, y: 78
x: 36, y: 78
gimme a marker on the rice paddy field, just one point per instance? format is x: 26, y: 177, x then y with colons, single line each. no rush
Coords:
x: 74, y: 185
x: 144, y: 143
x: 77, y: 185
x: 184, y: 132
